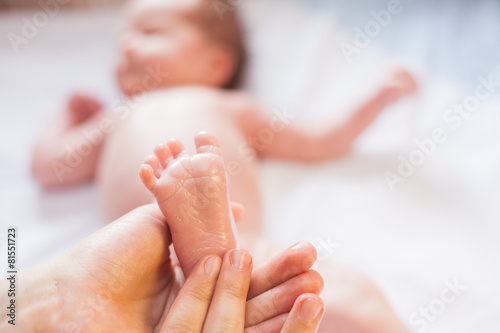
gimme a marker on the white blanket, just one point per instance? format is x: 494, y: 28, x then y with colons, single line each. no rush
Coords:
x: 440, y: 225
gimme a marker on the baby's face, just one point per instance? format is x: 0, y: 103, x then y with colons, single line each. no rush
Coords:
x: 163, y: 46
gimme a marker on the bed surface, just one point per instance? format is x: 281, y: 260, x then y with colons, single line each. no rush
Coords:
x: 441, y: 224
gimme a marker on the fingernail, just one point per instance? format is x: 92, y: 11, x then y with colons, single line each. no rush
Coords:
x: 299, y: 245
x: 212, y: 266
x: 240, y: 259
x: 310, y: 309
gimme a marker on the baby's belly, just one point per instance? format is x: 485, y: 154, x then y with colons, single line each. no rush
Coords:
x: 155, y: 120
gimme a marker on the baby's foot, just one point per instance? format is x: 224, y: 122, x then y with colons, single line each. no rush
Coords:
x: 82, y: 107
x: 399, y: 84
x: 192, y: 193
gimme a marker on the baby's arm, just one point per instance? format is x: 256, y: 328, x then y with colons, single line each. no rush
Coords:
x: 309, y: 145
x: 68, y: 150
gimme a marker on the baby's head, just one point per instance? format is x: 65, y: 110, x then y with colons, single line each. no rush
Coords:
x: 179, y: 42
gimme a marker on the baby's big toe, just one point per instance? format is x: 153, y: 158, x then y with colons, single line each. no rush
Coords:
x: 207, y: 142
x: 207, y: 165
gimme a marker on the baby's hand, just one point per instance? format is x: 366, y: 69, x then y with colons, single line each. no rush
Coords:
x: 400, y: 83
x: 82, y: 107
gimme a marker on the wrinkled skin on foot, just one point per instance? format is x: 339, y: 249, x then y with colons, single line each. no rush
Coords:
x: 192, y: 193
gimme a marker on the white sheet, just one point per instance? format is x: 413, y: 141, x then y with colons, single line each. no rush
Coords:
x: 441, y: 224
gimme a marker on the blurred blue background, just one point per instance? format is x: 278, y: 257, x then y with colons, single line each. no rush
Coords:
x: 458, y: 39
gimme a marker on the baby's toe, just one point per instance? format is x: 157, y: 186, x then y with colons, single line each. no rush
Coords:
x: 148, y: 178
x: 206, y: 142
x: 155, y: 165
x: 176, y: 147
x: 163, y: 154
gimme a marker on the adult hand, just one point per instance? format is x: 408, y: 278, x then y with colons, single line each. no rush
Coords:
x: 213, y: 299
x: 122, y: 279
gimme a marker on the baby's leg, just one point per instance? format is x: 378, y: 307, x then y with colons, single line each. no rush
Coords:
x: 157, y: 118
x: 354, y: 304
x: 192, y: 193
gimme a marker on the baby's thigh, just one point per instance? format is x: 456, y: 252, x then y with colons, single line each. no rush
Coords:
x: 241, y: 161
x: 157, y: 121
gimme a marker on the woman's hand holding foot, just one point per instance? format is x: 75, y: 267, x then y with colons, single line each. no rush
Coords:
x: 277, y: 284
x: 213, y: 300
x: 137, y: 291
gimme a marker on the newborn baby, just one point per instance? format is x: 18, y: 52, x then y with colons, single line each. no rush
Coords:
x: 192, y: 193
x: 179, y: 60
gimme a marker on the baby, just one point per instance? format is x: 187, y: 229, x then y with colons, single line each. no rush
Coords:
x: 192, y: 193
x: 179, y: 61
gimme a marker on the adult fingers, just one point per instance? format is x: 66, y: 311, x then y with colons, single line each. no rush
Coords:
x: 281, y: 299
x: 293, y: 261
x: 189, y: 310
x: 305, y: 316
x: 273, y: 325
x: 227, y: 310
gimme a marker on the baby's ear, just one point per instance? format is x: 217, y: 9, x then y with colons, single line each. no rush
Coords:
x: 223, y: 65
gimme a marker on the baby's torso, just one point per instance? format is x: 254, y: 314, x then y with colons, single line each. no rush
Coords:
x: 158, y: 117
